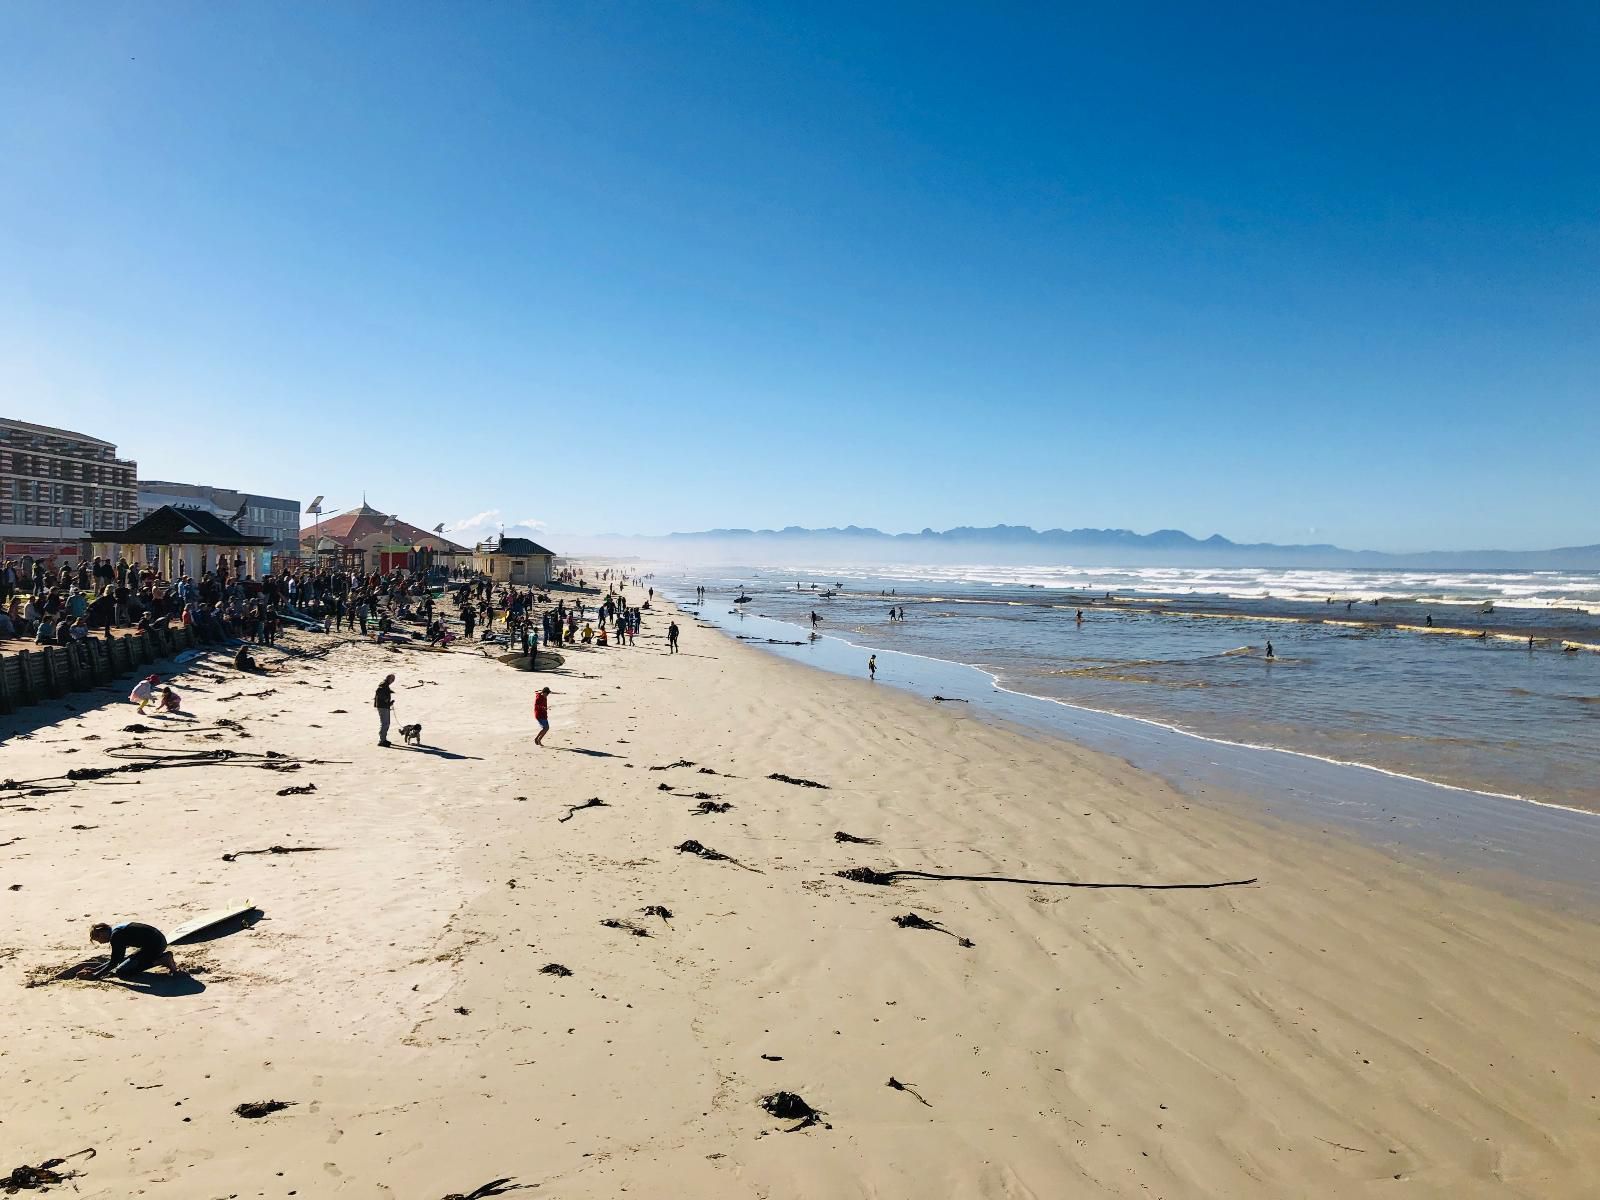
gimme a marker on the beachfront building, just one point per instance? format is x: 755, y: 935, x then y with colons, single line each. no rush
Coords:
x: 251, y: 514
x: 369, y: 540
x: 55, y: 485
x: 514, y: 560
x: 179, y: 542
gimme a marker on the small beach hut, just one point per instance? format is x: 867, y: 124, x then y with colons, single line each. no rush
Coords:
x: 178, y: 541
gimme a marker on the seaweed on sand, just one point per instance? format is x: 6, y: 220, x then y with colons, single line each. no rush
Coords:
x: 885, y: 878
x: 273, y: 850
x: 912, y: 921
x: 261, y: 1108
x: 710, y: 855
x: 788, y: 1106
x: 907, y: 1089
x: 41, y: 1178
x: 495, y: 1187
x: 591, y: 802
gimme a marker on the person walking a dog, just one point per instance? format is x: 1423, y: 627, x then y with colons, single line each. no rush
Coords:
x: 383, y: 701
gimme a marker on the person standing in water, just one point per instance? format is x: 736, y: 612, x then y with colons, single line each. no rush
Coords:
x: 541, y: 714
x: 872, y: 667
x: 1269, y: 651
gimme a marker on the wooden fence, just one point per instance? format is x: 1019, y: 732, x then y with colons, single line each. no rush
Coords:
x: 29, y: 676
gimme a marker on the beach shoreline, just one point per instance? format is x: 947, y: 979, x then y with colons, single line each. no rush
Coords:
x: 1454, y: 704
x: 1346, y: 1021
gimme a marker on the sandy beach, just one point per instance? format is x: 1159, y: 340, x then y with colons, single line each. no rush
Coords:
x: 1347, y: 1025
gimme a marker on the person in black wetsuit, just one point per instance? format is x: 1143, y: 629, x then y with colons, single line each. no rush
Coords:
x: 148, y: 946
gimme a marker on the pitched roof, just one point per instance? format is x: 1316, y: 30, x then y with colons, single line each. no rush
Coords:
x: 168, y: 526
x: 350, y: 527
x: 515, y: 545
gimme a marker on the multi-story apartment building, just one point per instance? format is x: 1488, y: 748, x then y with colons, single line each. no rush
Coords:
x: 55, y: 484
x: 257, y: 516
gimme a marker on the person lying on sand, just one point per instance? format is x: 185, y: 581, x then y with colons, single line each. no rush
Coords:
x: 147, y: 943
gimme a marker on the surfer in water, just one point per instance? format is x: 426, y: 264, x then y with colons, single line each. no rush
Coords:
x: 1270, y: 654
x: 148, y: 946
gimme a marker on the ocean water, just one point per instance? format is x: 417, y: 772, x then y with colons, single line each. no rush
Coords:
x: 1357, y: 674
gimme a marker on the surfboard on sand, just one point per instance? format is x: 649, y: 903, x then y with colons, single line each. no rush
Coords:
x: 205, y: 921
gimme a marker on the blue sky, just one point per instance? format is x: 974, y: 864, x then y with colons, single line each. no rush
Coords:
x: 1283, y: 272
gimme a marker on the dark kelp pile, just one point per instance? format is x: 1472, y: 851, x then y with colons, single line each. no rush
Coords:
x: 43, y: 1177
x: 252, y: 1109
x: 788, y: 1106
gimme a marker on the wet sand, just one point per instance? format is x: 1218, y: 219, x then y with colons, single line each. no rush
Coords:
x: 1347, y: 1025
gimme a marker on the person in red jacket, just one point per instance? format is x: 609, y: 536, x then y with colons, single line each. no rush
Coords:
x: 541, y: 714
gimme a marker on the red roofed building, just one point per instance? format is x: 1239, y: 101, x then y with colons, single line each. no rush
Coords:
x: 384, y: 542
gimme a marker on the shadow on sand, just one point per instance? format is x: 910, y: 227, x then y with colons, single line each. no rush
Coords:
x: 153, y: 983
x: 440, y: 753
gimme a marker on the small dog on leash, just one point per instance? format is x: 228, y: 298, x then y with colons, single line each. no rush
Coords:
x: 412, y: 734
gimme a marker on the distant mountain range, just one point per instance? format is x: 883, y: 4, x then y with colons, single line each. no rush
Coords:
x: 1090, y: 547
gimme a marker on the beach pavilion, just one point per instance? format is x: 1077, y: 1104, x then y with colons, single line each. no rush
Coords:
x: 371, y: 540
x: 514, y: 560
x: 179, y: 542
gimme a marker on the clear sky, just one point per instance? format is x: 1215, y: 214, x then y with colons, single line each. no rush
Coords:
x: 1283, y: 272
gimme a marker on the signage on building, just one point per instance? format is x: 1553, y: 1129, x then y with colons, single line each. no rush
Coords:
x: 48, y: 551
